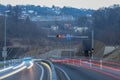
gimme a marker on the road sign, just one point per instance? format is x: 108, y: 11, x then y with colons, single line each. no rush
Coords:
x: 68, y: 36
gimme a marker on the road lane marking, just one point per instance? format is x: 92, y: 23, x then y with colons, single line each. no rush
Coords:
x: 50, y: 75
x: 12, y: 73
x: 100, y: 71
x: 42, y: 74
x: 63, y: 72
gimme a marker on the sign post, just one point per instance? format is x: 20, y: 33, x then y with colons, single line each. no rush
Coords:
x: 4, y: 55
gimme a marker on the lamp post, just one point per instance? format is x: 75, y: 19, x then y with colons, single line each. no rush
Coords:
x: 92, y: 42
x: 4, y: 52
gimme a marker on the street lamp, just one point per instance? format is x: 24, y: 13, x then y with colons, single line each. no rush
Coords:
x: 4, y: 52
x: 92, y: 43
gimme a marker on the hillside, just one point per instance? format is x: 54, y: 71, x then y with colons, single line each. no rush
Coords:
x: 113, y: 56
x: 33, y: 10
x: 32, y: 36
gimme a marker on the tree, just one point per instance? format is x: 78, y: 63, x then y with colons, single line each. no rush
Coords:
x: 106, y: 22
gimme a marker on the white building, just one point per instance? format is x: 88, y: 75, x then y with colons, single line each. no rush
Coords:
x: 80, y: 29
x: 52, y: 18
x: 53, y: 27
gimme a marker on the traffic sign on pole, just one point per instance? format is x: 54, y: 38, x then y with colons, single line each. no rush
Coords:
x: 68, y: 36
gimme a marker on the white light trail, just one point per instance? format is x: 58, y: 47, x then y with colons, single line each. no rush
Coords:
x: 6, y: 69
x: 19, y: 65
x: 14, y: 72
x: 31, y: 65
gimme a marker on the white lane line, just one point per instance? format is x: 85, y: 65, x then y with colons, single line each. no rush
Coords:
x: 12, y: 73
x: 42, y: 74
x: 63, y: 72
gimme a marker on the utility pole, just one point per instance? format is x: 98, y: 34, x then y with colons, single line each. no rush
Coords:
x: 4, y: 52
x: 70, y: 49
x: 92, y: 42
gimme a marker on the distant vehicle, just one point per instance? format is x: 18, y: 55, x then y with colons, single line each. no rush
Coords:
x: 27, y: 58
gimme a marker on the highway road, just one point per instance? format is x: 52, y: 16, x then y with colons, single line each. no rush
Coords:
x: 37, y: 72
x: 69, y: 72
x: 28, y: 70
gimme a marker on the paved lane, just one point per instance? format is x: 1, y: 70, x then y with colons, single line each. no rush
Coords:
x: 81, y: 73
x: 33, y: 73
x: 37, y: 72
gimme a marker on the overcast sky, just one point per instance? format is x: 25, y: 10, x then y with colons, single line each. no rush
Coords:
x: 94, y: 4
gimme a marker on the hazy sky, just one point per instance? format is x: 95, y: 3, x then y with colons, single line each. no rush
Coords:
x: 95, y: 4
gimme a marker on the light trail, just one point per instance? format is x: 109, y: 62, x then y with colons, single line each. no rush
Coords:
x: 19, y: 65
x: 77, y: 61
x: 12, y: 73
x: 31, y: 65
x: 48, y: 69
x: 97, y: 70
x: 42, y: 74
x: 6, y: 69
x: 101, y: 71
x: 68, y: 78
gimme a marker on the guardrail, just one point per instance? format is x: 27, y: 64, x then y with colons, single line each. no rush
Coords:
x: 91, y: 62
x: 8, y: 63
x: 54, y: 76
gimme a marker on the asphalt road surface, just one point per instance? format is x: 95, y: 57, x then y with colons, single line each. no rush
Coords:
x: 40, y: 71
x: 68, y: 72
x: 37, y: 72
